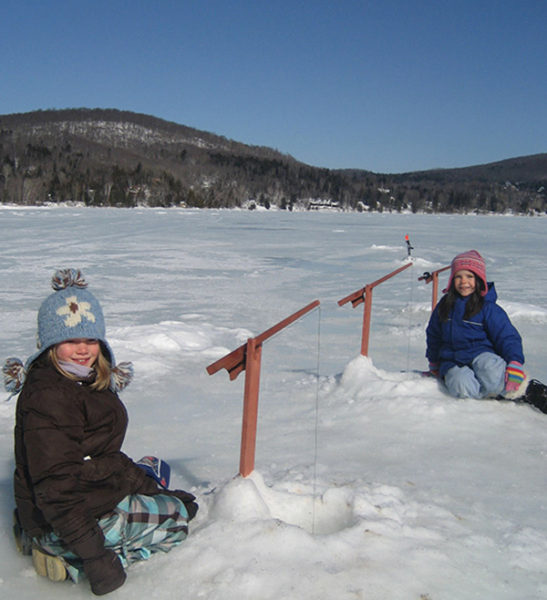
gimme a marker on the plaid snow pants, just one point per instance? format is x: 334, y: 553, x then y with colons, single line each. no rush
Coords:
x: 138, y: 527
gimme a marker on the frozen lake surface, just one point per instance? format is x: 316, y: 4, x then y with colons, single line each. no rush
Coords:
x: 370, y: 482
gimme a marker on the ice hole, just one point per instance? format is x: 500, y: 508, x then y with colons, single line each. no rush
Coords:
x: 245, y: 499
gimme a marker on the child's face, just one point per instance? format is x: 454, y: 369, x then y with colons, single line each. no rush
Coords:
x: 464, y: 282
x: 81, y: 351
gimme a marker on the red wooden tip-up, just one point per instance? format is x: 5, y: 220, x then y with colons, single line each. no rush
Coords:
x: 247, y: 358
x: 365, y: 295
x: 433, y: 277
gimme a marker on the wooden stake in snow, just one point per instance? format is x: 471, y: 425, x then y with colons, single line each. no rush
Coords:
x: 365, y: 295
x: 248, y: 358
x: 433, y: 277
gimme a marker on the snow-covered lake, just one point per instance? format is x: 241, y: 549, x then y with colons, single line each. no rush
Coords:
x: 370, y: 482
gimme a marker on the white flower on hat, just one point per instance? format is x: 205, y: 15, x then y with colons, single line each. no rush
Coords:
x: 75, y: 311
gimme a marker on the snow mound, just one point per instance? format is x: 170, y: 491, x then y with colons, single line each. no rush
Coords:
x: 247, y: 499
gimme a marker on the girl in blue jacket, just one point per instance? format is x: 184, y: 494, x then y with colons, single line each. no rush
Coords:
x: 472, y: 345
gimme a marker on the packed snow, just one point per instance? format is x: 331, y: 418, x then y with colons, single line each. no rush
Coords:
x: 369, y: 482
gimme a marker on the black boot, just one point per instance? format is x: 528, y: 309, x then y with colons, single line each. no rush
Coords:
x: 536, y: 394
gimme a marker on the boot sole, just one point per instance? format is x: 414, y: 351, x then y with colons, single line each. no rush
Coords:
x: 52, y: 567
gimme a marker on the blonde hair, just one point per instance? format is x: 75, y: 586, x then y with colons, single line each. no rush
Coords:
x: 101, y: 367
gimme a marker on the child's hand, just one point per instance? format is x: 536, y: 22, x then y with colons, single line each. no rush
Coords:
x: 434, y: 369
x: 514, y: 376
x: 105, y: 573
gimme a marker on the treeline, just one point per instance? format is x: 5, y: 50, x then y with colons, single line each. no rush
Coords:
x: 113, y: 158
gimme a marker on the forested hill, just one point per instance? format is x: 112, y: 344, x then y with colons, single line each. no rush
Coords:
x: 103, y: 157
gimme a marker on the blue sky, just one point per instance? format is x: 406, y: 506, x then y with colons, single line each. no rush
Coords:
x: 388, y: 85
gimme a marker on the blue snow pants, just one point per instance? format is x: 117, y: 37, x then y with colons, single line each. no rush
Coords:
x: 138, y: 527
x: 485, y: 377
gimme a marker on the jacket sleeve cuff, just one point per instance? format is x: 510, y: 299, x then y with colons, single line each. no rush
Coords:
x: 90, y: 546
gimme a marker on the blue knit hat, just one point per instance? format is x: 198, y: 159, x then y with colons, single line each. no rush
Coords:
x: 71, y: 312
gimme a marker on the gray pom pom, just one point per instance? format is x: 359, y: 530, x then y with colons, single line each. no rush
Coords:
x: 64, y: 278
x: 14, y: 375
x: 122, y: 374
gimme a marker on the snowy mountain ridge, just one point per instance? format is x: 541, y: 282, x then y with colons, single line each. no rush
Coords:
x: 121, y: 133
x: 102, y: 156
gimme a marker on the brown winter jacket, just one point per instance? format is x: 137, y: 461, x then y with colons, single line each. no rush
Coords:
x: 69, y: 469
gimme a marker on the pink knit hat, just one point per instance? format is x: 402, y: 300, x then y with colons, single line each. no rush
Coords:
x: 470, y: 261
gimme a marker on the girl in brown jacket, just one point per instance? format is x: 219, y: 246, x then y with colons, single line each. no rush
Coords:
x: 82, y: 504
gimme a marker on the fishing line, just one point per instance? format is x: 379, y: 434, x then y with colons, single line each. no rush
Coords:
x: 316, y: 424
x: 409, y: 308
x: 316, y: 411
x: 409, y: 248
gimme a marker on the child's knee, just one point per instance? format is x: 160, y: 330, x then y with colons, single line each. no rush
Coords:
x: 462, y: 383
x: 490, y: 371
x: 488, y: 362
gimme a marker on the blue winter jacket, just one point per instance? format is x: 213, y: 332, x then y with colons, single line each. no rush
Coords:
x: 458, y: 341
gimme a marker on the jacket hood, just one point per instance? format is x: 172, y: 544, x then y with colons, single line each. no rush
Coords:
x: 491, y: 295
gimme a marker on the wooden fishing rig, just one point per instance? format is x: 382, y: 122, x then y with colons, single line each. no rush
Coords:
x: 247, y: 357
